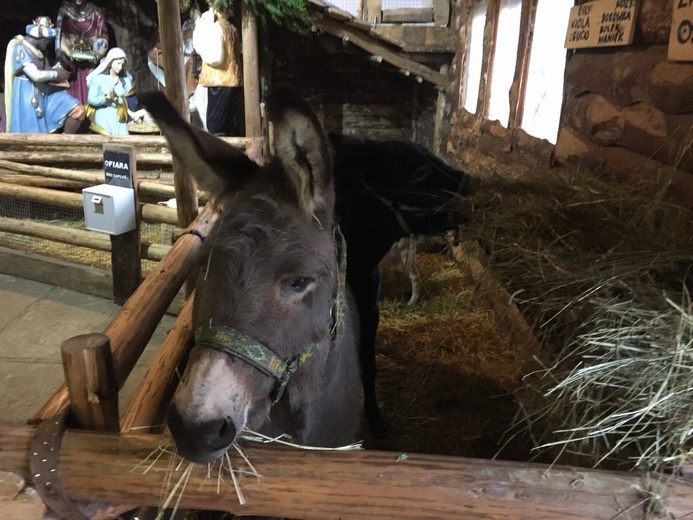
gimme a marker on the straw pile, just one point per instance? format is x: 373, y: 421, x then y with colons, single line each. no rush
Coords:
x: 601, y: 272
x: 445, y: 371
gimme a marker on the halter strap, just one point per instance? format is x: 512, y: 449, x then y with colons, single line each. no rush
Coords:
x: 339, y: 301
x: 238, y: 345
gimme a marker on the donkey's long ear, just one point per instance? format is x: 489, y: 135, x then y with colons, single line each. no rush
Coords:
x: 301, y: 147
x: 215, y: 164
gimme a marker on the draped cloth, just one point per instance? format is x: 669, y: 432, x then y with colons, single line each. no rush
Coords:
x: 85, y: 35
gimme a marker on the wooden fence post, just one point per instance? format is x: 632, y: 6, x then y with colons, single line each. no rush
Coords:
x: 126, y: 264
x: 91, y: 381
x: 251, y: 73
x: 171, y: 38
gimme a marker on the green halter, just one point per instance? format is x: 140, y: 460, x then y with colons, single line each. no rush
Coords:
x: 238, y: 345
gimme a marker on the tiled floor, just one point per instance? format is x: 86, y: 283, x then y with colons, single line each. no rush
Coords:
x: 34, y: 320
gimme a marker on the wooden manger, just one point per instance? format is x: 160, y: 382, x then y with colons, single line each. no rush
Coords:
x: 130, y: 467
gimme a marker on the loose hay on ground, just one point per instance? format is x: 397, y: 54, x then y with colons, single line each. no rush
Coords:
x: 445, y: 371
x: 573, y: 248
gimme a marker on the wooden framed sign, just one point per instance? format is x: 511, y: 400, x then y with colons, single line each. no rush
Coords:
x: 603, y: 23
x: 680, y: 36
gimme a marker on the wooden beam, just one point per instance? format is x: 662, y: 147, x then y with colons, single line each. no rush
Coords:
x: 339, y: 14
x: 377, y: 49
x: 490, y: 33
x: 408, y: 15
x: 171, y: 41
x: 416, y: 38
x: 86, y: 279
x: 251, y: 71
x: 351, y: 484
x: 41, y: 157
x: 374, y: 11
x: 441, y: 12
x: 156, y: 189
x: 75, y: 237
x: 171, y: 37
x: 39, y: 181
x: 56, y: 173
x: 133, y: 326
x: 126, y: 264
x: 149, y: 212
x: 57, y: 198
x: 158, y: 214
x: 22, y: 141
x: 524, y: 49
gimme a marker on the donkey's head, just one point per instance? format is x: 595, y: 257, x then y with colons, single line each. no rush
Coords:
x: 267, y: 278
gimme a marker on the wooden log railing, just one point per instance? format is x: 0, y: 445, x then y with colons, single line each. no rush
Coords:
x: 82, y: 178
x: 75, y: 237
x: 149, y: 160
x: 144, y: 413
x: 86, y: 151
x: 130, y: 330
x: 352, y: 484
x: 96, y: 142
x: 148, y: 212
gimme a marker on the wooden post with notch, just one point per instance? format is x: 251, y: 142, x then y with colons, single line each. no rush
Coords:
x: 91, y: 381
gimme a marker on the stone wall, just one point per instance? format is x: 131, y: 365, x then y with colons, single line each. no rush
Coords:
x: 353, y: 94
x: 627, y: 110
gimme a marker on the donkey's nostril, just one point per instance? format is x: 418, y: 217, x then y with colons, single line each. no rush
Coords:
x: 227, y: 432
x: 200, y: 441
x: 224, y: 427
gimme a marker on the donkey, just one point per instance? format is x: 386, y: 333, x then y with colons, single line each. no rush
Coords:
x: 388, y: 190
x: 275, y: 346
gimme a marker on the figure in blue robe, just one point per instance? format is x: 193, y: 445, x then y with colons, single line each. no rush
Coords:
x: 111, y: 95
x: 37, y: 101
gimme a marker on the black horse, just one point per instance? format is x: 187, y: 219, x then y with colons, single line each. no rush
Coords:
x: 387, y: 190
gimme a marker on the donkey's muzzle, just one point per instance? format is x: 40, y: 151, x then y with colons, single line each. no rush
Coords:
x: 200, y: 442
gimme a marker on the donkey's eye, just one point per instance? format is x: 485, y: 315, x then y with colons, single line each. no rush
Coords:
x: 420, y: 174
x: 299, y: 283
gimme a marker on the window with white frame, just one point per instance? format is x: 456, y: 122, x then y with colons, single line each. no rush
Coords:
x: 504, y: 59
x: 352, y: 6
x: 475, y: 52
x: 544, y: 92
x: 540, y: 89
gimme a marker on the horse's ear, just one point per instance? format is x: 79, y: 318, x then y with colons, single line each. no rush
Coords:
x: 301, y: 147
x: 215, y: 164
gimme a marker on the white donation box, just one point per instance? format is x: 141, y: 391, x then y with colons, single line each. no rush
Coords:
x: 109, y: 209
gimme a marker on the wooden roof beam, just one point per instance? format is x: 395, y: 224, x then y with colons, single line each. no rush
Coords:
x: 377, y: 49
